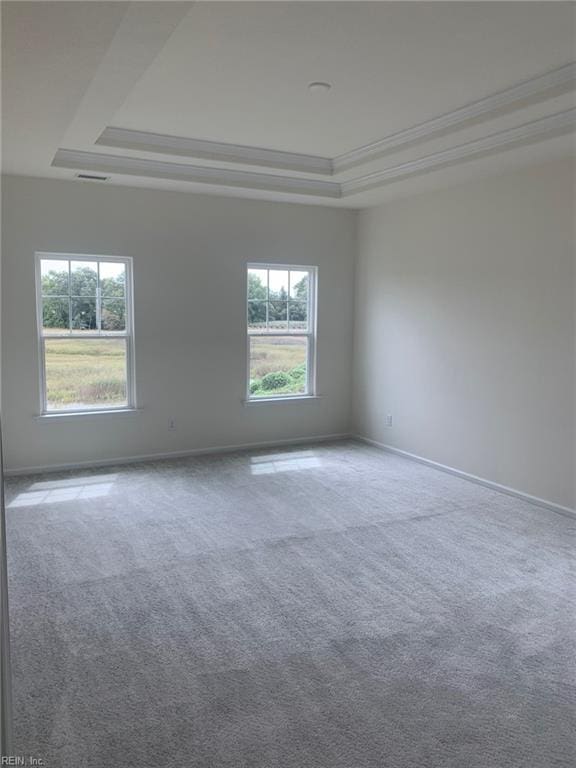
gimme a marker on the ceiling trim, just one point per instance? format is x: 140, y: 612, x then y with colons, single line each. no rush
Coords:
x: 528, y: 91
x: 127, y: 138
x: 535, y: 89
x: 134, y: 166
x: 552, y: 125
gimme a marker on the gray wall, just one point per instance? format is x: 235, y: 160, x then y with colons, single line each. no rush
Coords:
x: 465, y: 322
x: 465, y: 328
x: 190, y: 254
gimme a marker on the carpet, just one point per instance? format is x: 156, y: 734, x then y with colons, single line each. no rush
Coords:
x: 331, y: 606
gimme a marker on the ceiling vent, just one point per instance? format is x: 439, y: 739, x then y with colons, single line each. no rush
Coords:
x: 91, y: 177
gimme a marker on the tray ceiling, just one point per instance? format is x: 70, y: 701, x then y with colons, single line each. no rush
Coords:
x: 213, y: 96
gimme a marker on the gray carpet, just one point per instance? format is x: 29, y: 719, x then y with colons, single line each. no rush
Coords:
x: 325, y: 607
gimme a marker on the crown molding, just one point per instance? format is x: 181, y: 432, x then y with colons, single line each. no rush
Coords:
x: 553, y: 125
x: 528, y: 91
x: 535, y: 89
x: 134, y: 166
x: 536, y: 130
x: 126, y: 138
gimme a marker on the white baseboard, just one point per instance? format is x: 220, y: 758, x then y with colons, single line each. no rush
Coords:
x: 467, y: 476
x: 284, y: 443
x: 289, y: 442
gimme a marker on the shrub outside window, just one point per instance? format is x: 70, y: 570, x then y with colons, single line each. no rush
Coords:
x: 84, y: 306
x: 281, y: 319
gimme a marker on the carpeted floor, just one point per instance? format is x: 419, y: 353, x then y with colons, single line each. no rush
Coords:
x: 324, y: 607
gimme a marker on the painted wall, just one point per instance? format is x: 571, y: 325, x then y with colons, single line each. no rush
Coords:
x: 190, y: 254
x: 465, y: 328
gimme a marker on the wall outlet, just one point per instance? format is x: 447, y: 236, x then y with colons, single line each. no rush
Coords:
x: 388, y: 419
x: 171, y: 424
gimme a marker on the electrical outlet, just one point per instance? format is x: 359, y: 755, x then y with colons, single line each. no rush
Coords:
x: 389, y: 420
x: 171, y: 424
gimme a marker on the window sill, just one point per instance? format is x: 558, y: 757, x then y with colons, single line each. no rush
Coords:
x: 66, y: 415
x: 289, y: 399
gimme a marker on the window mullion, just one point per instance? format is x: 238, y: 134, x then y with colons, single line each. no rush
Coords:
x: 267, y: 299
x: 69, y: 296
x: 98, y: 299
x: 81, y: 335
x: 288, y: 304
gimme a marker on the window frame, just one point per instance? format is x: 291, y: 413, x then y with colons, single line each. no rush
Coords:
x: 127, y: 334
x: 310, y: 333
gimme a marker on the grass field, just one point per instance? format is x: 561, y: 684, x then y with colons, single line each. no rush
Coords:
x: 88, y: 372
x: 281, y: 354
x: 92, y: 372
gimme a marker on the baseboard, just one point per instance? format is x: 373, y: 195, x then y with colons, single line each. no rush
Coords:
x: 472, y: 478
x: 290, y: 442
x: 284, y: 443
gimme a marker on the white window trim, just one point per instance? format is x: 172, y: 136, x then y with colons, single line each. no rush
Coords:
x: 311, y: 334
x: 128, y: 336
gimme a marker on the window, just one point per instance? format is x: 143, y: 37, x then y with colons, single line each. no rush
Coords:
x: 85, y: 332
x: 281, y: 331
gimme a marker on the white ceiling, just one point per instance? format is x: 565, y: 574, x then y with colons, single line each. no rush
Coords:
x: 237, y: 73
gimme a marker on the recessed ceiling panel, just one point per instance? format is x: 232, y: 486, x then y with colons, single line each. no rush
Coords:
x: 239, y: 72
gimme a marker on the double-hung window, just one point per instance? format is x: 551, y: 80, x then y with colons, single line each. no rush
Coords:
x: 281, y: 331
x: 85, y: 332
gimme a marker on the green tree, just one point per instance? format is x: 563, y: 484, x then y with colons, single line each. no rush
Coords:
x: 298, y: 305
x: 257, y: 295
x: 83, y: 282
x: 300, y: 290
x: 55, y: 283
x: 78, y: 295
x: 256, y: 288
x: 278, y: 308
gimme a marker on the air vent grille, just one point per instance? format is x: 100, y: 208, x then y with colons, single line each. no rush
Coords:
x: 91, y: 177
